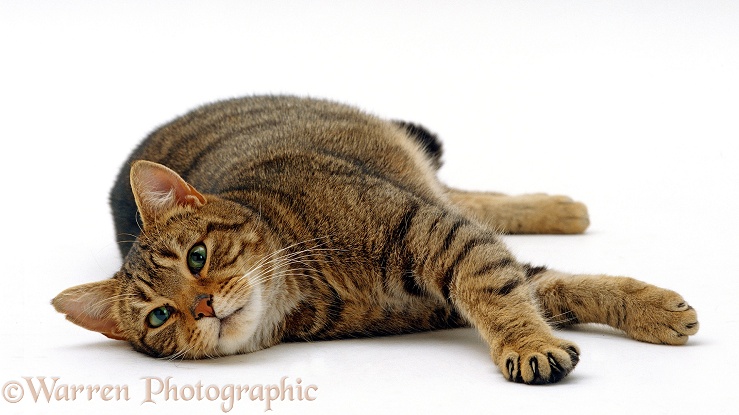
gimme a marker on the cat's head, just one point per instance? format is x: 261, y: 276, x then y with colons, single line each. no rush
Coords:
x: 192, y: 285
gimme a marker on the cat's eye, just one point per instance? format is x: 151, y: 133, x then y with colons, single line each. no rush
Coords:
x: 159, y: 316
x: 196, y: 258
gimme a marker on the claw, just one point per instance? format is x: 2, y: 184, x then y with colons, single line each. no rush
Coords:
x: 574, y: 355
x: 535, y: 368
x: 511, y: 367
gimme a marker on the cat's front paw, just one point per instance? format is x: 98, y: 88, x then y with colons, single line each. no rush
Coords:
x: 657, y: 315
x: 539, y: 362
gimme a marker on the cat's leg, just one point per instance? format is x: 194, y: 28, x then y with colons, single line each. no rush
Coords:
x: 643, y: 311
x: 534, y: 213
x: 459, y: 261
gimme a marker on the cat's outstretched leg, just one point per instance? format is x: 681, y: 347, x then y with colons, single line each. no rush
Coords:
x: 465, y: 264
x: 643, y: 311
x: 534, y: 213
x: 521, y: 342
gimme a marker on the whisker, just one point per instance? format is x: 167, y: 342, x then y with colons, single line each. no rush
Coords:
x: 568, y: 317
x: 287, y: 259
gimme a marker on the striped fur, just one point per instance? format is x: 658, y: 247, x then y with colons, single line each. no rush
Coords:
x: 323, y: 222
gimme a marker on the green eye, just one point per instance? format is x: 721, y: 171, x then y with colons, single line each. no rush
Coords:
x: 196, y: 258
x: 159, y: 316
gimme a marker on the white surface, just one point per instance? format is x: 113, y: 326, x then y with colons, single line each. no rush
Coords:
x: 629, y: 106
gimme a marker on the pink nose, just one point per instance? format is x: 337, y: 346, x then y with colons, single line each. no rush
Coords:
x: 203, y: 307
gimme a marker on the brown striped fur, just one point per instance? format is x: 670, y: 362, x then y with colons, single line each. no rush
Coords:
x: 323, y: 222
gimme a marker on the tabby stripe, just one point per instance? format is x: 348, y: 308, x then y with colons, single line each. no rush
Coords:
x: 333, y: 312
x: 142, y: 295
x: 146, y: 281
x: 152, y: 265
x: 438, y: 219
x: 448, y: 240
x: 446, y: 280
x: 438, y: 317
x: 396, y: 240
x: 166, y: 253
x: 343, y: 160
x: 146, y: 348
x: 451, y: 234
x: 312, y: 274
x: 269, y: 215
x: 266, y: 220
x: 307, y: 155
x: 622, y: 315
x: 409, y: 280
x: 456, y: 320
x: 229, y: 262
x: 302, y: 275
x: 127, y: 274
x: 444, y: 318
x: 532, y: 271
x: 505, y: 289
x: 223, y: 227
x: 307, y: 287
x: 175, y: 218
x: 364, y: 167
x: 492, y: 266
x: 404, y: 225
x: 169, y: 343
x: 332, y: 161
x: 327, y: 254
x: 220, y: 143
x: 298, y: 323
x: 193, y: 126
x: 288, y: 200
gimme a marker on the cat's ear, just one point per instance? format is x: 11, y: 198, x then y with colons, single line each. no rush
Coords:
x: 89, y: 306
x: 158, y: 189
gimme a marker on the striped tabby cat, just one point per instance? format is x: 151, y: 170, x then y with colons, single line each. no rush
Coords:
x: 285, y: 219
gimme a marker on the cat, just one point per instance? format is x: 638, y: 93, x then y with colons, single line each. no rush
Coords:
x: 266, y: 219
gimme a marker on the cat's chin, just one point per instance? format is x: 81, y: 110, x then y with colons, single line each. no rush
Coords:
x: 238, y: 329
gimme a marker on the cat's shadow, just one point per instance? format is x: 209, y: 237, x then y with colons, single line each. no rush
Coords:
x: 465, y: 339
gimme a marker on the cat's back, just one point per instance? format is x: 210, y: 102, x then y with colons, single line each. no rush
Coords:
x: 214, y: 139
x: 281, y: 141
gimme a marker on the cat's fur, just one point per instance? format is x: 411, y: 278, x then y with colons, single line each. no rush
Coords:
x: 318, y: 221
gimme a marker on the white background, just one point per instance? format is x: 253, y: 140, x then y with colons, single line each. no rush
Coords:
x: 629, y: 106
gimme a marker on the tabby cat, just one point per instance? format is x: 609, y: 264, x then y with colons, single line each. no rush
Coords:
x: 285, y: 219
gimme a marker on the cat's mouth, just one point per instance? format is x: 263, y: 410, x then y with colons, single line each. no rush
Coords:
x: 230, y: 317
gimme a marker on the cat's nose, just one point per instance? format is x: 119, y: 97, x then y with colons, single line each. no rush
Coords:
x: 203, y: 307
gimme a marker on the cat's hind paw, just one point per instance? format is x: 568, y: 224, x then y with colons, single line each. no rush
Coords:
x: 547, y: 363
x: 661, y: 316
x: 547, y: 214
